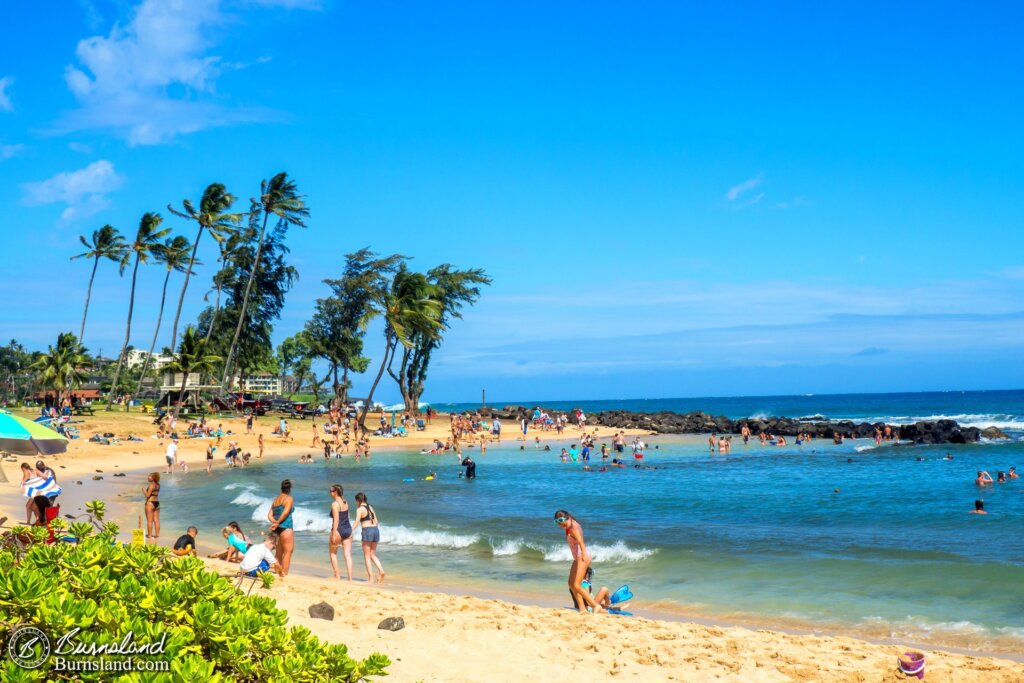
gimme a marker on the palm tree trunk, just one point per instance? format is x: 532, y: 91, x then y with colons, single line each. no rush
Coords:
x: 184, y: 286
x: 181, y: 396
x: 127, y: 335
x: 388, y: 350
x: 159, y: 318
x: 245, y: 302
x: 213, y: 319
x: 88, y: 295
x: 344, y: 385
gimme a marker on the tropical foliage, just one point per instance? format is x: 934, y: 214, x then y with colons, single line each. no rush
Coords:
x: 174, y: 255
x: 61, y: 368
x: 192, y: 357
x: 107, y: 243
x: 210, y: 630
x: 279, y: 197
x: 233, y: 332
x: 212, y: 216
x: 146, y: 244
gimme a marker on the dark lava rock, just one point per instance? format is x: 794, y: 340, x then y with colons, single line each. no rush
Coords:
x: 321, y: 610
x: 994, y: 433
x: 392, y: 624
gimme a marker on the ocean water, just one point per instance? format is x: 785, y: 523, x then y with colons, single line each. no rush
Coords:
x: 1003, y: 409
x: 761, y: 536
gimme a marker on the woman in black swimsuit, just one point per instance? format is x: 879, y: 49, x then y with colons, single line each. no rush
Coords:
x: 366, y: 517
x: 152, y: 493
x: 341, y: 531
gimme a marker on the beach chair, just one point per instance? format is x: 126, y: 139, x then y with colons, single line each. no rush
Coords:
x: 241, y: 577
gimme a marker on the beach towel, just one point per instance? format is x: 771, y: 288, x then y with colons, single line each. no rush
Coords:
x: 37, y: 486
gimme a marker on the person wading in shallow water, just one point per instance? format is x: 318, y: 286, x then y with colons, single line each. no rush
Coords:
x: 580, y: 561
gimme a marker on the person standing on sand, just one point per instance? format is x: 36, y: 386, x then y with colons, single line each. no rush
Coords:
x: 152, y: 505
x: 280, y: 518
x: 366, y: 518
x: 580, y: 561
x: 341, y: 531
x: 260, y: 443
x: 172, y: 454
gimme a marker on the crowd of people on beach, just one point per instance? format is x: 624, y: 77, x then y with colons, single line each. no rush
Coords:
x: 275, y: 552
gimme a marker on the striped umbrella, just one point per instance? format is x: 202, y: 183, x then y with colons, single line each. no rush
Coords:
x: 18, y: 435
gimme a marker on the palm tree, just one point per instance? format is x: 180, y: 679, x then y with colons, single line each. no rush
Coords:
x: 279, y: 197
x: 174, y: 254
x: 60, y: 368
x: 409, y: 306
x: 147, y: 241
x: 107, y: 243
x: 191, y: 359
x: 222, y: 278
x: 212, y: 216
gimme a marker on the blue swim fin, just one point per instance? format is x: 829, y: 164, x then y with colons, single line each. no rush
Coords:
x: 621, y: 595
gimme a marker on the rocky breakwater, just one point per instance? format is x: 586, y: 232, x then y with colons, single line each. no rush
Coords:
x: 934, y: 432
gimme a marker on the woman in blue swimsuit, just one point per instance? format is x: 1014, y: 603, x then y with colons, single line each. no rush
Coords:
x: 341, y: 531
x: 280, y: 517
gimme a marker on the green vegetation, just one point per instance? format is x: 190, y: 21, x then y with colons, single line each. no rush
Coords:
x: 212, y: 631
x: 235, y: 331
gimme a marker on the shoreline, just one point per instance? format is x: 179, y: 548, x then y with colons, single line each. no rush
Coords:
x: 123, y: 496
x: 559, y: 644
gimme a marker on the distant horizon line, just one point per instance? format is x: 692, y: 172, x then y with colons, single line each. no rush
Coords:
x: 696, y: 398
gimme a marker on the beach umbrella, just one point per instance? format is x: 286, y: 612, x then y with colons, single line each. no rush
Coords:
x: 20, y: 436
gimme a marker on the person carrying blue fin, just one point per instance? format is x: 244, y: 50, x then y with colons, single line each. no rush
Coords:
x: 614, y: 603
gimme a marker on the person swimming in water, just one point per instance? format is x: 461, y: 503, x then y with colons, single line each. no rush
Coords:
x: 979, y: 508
x: 1013, y: 473
x: 983, y: 478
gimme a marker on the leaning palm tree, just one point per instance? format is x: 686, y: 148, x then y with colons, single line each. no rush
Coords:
x: 191, y: 358
x: 61, y: 367
x: 147, y: 241
x: 223, y: 277
x: 212, y: 216
x: 279, y: 197
x: 409, y: 307
x: 107, y: 243
x: 174, y: 254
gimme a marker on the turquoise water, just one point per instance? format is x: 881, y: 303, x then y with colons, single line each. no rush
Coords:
x: 1004, y: 409
x: 760, y: 535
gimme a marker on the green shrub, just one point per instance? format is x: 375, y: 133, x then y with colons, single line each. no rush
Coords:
x: 213, y: 631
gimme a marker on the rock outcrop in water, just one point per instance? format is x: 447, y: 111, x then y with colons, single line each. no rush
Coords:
x: 939, y: 431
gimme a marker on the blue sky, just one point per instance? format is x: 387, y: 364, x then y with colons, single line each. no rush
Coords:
x: 674, y: 199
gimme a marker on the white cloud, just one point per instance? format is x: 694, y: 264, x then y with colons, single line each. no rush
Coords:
x: 737, y: 191
x: 8, y: 151
x: 154, y: 78
x: 5, y: 100
x: 83, y: 191
x: 80, y: 147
